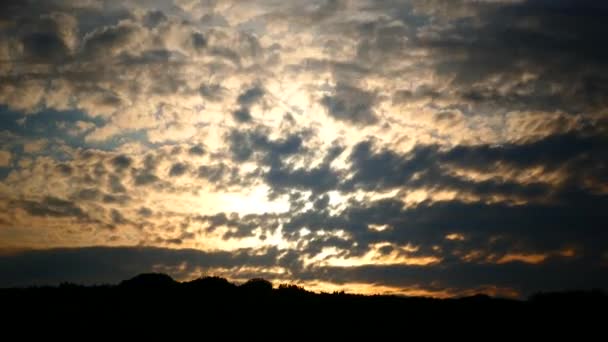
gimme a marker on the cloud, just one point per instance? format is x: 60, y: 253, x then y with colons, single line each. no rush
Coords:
x: 154, y: 18
x: 217, y: 173
x: 242, y: 115
x: 250, y: 96
x: 244, y: 144
x: 178, y: 169
x: 34, y: 146
x: 318, y: 179
x: 524, y: 279
x: 240, y: 226
x: 429, y: 165
x: 145, y: 212
x: 110, y: 265
x: 556, y: 43
x: 197, y: 150
x: 351, y: 104
x: 105, y: 265
x: 54, y: 207
x: 145, y: 178
x: 212, y: 92
x: 109, y: 41
x: 44, y: 47
x: 5, y: 158
x: 397, y: 143
x: 121, y: 162
x: 246, y: 100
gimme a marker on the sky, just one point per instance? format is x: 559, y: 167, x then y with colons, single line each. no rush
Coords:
x: 415, y: 147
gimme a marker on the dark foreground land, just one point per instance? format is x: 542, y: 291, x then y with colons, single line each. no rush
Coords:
x: 155, y: 301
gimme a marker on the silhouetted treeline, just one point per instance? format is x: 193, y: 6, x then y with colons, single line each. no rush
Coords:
x: 156, y: 299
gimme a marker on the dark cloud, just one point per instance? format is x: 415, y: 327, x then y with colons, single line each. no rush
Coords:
x: 154, y: 18
x: 213, y: 92
x: 561, y: 42
x: 540, y: 227
x: 384, y: 169
x: 244, y: 144
x: 44, y: 123
x: 315, y: 245
x: 318, y: 179
x: 64, y: 169
x: 88, y: 195
x: 145, y: 212
x: 321, y: 203
x: 117, y: 199
x: 420, y: 93
x: 52, y: 207
x: 145, y: 178
x: 242, y: 115
x: 199, y: 41
x: 117, y: 217
x: 351, y: 104
x: 178, y: 169
x: 314, y: 220
x: 380, y: 42
x: 115, y: 184
x: 44, y: 47
x: 103, y: 265
x: 282, y: 176
x: 225, y: 53
x: 108, y: 41
x: 552, y: 152
x: 312, y: 14
x: 214, y: 20
x: 553, y: 217
x: 240, y: 226
x: 554, y: 275
x: 491, y: 229
x: 156, y: 56
x: 121, y: 162
x: 214, y: 173
x: 197, y: 150
x: 250, y: 96
x: 577, y: 154
x: 325, y: 10
x: 146, y: 174
x: 246, y: 100
x: 240, y: 146
x: 447, y: 118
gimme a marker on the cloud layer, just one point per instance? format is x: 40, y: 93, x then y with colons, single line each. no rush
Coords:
x: 431, y: 147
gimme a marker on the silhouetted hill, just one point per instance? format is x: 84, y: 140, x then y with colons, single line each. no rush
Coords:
x: 156, y: 300
x: 257, y: 286
x: 210, y: 284
x: 149, y: 281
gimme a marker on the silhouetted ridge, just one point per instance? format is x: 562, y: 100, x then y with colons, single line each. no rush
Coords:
x: 210, y: 284
x: 149, y: 281
x: 570, y: 298
x: 152, y: 300
x: 257, y: 286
